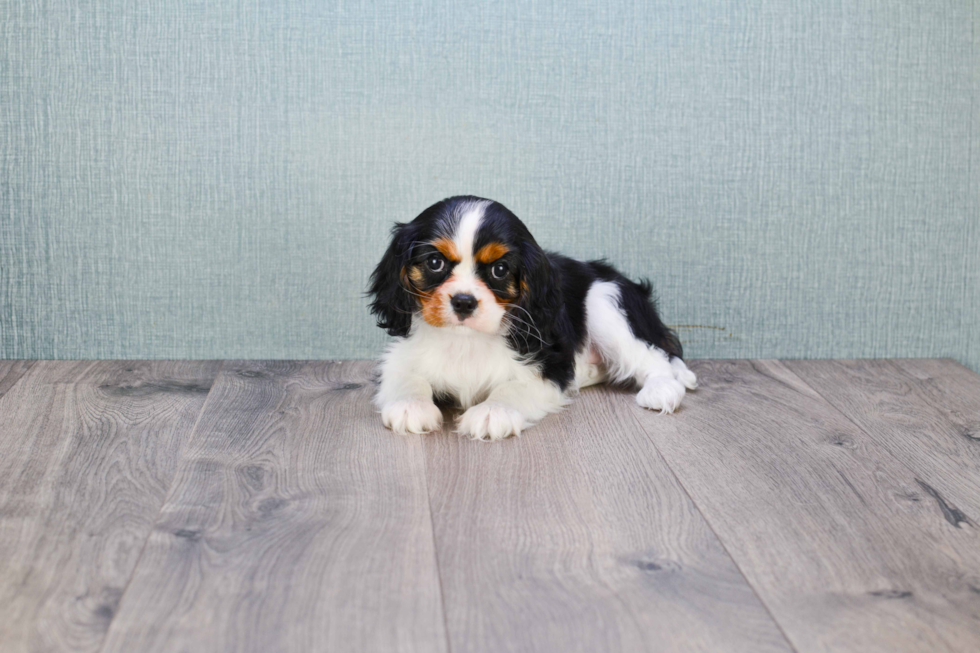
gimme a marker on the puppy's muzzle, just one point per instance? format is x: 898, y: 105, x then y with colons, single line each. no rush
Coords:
x: 463, y: 305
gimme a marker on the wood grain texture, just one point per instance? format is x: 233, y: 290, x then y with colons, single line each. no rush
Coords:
x: 924, y: 412
x: 577, y: 537
x: 138, y: 512
x: 88, y: 453
x: 10, y: 373
x: 847, y: 549
x: 296, y: 523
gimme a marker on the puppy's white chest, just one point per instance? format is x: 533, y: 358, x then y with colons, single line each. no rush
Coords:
x: 463, y: 363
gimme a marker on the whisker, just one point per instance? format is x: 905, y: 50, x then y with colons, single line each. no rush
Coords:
x: 521, y: 308
x: 419, y: 295
x: 416, y: 242
x: 528, y: 327
x: 536, y: 334
x: 398, y: 310
x: 525, y: 323
x: 509, y: 325
x: 524, y: 333
x: 530, y: 317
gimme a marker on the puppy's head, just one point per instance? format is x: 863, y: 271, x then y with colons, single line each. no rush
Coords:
x: 465, y: 262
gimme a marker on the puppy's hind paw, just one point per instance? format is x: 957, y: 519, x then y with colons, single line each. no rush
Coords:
x: 661, y: 393
x: 411, y: 416
x: 683, y: 374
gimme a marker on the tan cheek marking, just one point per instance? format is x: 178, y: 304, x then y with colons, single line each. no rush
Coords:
x: 432, y: 311
x: 520, y: 293
x: 431, y: 305
x: 416, y: 275
x: 491, y: 252
x: 510, y: 297
x: 448, y: 249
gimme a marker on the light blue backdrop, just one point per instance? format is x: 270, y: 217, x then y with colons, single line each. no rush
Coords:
x: 216, y: 179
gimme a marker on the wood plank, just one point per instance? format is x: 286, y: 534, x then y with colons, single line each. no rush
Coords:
x: 88, y: 453
x: 296, y: 523
x: 924, y: 412
x: 577, y: 537
x: 10, y: 373
x: 845, y: 547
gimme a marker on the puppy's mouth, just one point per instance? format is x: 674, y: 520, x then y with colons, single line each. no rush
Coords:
x: 462, y: 321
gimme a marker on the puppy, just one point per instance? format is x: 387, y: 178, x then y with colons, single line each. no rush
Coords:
x: 484, y: 317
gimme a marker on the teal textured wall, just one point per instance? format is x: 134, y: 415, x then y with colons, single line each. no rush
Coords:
x: 216, y: 179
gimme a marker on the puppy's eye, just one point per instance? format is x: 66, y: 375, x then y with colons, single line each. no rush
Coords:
x: 435, y: 263
x: 499, y: 270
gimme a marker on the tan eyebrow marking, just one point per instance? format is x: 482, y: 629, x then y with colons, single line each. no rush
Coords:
x: 491, y: 252
x: 448, y: 249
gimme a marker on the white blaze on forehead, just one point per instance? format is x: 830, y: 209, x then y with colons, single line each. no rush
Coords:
x: 465, y: 236
x: 464, y: 279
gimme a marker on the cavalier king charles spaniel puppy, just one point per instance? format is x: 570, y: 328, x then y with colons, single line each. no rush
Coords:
x: 484, y: 317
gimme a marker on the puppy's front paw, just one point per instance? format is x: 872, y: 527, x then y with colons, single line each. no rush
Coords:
x: 661, y: 393
x: 491, y: 421
x: 411, y: 416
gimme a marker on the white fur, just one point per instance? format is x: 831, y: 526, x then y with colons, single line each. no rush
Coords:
x: 683, y: 374
x: 589, y: 369
x: 411, y: 416
x: 661, y: 393
x: 491, y: 421
x: 500, y: 393
x: 628, y: 358
x: 473, y: 367
x: 469, y: 224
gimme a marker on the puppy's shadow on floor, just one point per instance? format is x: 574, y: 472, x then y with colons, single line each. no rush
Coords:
x: 450, y: 413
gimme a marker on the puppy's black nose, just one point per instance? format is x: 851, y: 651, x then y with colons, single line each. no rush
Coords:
x: 463, y: 304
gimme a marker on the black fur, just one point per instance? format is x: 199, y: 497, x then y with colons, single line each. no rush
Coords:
x: 393, y: 304
x: 540, y: 325
x: 566, y: 332
x: 548, y: 321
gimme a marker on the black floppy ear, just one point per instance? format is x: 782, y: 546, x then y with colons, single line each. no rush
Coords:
x: 393, y: 304
x: 541, y: 298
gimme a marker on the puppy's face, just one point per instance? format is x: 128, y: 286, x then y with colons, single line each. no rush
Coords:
x: 462, y: 274
x: 459, y: 264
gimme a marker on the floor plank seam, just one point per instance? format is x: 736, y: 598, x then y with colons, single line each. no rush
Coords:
x: 26, y: 373
x: 435, y: 546
x: 166, y: 498
x: 944, y: 505
x: 724, y: 546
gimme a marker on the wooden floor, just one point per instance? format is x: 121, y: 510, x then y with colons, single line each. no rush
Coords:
x: 261, y: 506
